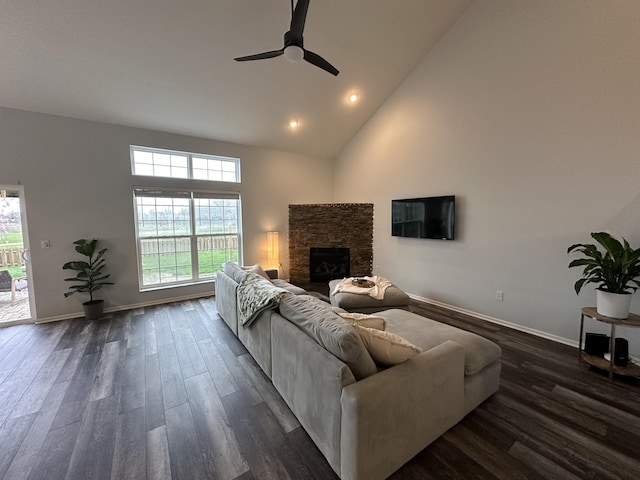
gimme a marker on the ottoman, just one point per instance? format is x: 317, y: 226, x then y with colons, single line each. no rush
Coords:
x: 353, y: 302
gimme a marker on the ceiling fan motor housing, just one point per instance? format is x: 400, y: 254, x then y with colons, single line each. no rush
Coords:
x: 293, y: 51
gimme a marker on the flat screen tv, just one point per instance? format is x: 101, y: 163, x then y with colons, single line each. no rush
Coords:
x: 430, y: 217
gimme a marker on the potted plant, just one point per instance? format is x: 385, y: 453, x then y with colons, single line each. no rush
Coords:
x: 616, y: 271
x: 89, y: 276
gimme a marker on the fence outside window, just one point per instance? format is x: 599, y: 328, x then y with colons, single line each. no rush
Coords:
x: 11, y: 256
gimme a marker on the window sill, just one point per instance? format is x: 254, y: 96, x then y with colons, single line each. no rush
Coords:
x: 177, y: 285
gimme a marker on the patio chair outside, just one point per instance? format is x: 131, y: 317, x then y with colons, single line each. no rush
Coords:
x: 10, y: 284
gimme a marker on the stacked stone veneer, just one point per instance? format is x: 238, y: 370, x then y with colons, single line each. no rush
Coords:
x: 348, y: 225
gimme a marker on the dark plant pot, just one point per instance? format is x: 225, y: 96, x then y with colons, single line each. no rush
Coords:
x: 93, y: 309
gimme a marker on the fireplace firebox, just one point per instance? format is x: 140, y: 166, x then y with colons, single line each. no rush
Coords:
x: 326, y: 264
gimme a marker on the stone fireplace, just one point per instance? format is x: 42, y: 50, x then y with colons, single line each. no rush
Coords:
x: 329, y: 241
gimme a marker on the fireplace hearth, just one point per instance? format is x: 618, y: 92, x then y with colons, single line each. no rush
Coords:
x: 325, y: 264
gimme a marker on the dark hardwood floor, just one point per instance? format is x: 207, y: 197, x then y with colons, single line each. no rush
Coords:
x: 169, y: 392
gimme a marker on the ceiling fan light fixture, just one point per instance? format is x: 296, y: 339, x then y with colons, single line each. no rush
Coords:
x: 294, y: 53
x: 293, y: 43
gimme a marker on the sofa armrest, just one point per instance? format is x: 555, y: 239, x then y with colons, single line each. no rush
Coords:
x: 391, y: 416
x: 227, y: 300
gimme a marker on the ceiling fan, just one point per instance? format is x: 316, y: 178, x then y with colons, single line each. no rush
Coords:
x: 293, y: 43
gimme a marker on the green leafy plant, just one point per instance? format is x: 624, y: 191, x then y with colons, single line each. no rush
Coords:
x: 89, y: 276
x: 615, y: 270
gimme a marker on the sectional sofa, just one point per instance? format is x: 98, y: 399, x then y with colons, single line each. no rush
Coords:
x: 367, y: 418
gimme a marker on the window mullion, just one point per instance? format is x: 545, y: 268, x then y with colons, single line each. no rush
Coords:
x: 194, y: 242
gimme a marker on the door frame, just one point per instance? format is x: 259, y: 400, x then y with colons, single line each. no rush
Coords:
x: 26, y: 246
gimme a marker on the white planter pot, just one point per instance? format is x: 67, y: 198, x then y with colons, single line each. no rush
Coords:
x: 614, y: 305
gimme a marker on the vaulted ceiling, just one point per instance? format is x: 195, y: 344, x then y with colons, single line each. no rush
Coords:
x: 168, y: 64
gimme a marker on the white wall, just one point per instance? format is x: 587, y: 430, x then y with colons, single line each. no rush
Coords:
x: 529, y: 112
x: 78, y: 184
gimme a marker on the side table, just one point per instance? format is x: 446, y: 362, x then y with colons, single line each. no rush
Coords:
x: 633, y: 320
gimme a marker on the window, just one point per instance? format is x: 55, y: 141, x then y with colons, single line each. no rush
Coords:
x: 153, y: 162
x: 184, y: 237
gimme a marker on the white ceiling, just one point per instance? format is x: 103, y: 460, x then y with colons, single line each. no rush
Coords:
x: 168, y: 64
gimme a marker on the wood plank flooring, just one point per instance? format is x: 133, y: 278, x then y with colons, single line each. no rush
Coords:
x: 169, y: 393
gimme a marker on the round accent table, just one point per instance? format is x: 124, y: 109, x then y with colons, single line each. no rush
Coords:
x: 631, y: 370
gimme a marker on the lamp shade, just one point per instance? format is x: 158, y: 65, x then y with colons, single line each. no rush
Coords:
x: 273, y: 250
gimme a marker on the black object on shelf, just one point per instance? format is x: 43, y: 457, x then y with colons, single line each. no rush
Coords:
x: 596, y: 344
x: 621, y: 352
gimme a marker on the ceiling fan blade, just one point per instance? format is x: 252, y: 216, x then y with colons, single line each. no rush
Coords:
x: 318, y: 61
x: 298, y: 19
x: 261, y: 56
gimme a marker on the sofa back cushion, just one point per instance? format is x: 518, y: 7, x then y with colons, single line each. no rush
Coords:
x: 278, y: 282
x: 330, y: 331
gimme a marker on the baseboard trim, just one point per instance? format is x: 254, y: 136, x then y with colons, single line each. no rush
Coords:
x: 499, y: 321
x: 132, y: 306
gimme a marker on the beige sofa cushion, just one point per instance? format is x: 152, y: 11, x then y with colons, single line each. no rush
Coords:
x: 331, y: 332
x: 386, y: 348
x: 425, y: 333
x: 364, y: 320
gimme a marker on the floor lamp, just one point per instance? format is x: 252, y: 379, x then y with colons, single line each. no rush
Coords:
x: 273, y: 250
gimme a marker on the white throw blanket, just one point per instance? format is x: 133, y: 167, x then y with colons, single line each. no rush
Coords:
x: 377, y: 291
x: 255, y: 295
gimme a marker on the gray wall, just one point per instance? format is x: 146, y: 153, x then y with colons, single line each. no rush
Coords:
x: 529, y: 112
x: 78, y: 184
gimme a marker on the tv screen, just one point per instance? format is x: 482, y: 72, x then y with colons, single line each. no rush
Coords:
x: 430, y: 217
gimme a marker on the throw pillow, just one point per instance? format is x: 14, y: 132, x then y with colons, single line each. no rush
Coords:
x: 386, y: 348
x: 256, y: 269
x: 364, y: 320
x: 234, y: 271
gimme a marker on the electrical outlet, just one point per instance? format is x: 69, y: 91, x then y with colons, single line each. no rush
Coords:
x: 499, y: 296
x: 45, y: 243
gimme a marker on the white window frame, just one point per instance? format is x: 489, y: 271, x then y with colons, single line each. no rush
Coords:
x: 193, y: 236
x: 191, y: 159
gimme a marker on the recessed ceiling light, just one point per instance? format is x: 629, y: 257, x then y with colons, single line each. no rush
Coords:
x: 293, y: 123
x: 353, y: 98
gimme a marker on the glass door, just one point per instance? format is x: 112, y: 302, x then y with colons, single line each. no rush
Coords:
x: 16, y: 298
